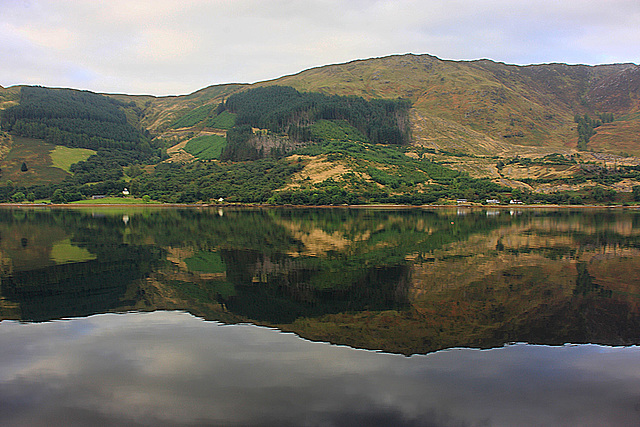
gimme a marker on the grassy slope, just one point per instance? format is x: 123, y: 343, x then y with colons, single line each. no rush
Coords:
x: 63, y: 157
x: 46, y: 163
x: 9, y: 96
x: 159, y: 113
x: 37, y: 155
x: 477, y: 107
x: 482, y: 108
x: 206, y: 147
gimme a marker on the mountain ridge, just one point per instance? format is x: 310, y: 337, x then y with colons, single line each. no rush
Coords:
x: 475, y: 101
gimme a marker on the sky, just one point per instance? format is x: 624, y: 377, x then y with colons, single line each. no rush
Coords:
x: 174, y: 47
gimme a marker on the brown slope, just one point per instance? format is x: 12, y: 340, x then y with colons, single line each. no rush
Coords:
x: 485, y: 107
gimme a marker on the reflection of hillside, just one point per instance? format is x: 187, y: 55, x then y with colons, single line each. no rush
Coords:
x: 24, y: 245
x: 279, y: 289
x: 407, y: 281
x: 527, y: 281
x: 318, y: 242
x: 73, y: 289
x: 411, y: 282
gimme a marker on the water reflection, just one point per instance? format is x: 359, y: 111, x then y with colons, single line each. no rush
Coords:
x: 403, y: 281
x: 169, y: 368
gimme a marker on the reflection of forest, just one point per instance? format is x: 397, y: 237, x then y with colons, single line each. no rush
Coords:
x: 408, y: 281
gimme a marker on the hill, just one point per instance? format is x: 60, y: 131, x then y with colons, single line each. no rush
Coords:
x: 485, y: 107
x: 551, y: 132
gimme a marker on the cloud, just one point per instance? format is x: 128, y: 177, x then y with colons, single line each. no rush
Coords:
x: 167, y: 47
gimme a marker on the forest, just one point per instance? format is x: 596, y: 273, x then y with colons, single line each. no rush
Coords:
x: 286, y: 112
x: 72, y: 118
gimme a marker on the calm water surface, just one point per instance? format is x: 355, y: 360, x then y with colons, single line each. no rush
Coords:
x: 319, y: 317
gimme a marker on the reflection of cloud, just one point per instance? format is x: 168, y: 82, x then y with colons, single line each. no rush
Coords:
x: 171, y: 368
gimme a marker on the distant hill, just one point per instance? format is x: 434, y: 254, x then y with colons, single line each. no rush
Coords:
x: 538, y: 129
x: 478, y: 107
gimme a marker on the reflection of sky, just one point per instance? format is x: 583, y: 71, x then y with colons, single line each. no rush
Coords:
x: 171, y: 368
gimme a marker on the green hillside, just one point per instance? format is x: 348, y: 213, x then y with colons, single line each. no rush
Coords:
x: 535, y: 132
x: 97, y: 136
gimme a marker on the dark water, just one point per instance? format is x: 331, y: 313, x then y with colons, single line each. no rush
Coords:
x: 268, y: 317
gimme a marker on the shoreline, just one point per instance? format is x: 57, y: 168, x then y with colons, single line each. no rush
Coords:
x: 264, y: 205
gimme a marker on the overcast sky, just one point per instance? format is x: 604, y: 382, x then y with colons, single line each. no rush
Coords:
x: 163, y: 47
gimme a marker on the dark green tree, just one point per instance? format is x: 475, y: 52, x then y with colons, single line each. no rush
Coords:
x: 58, y: 197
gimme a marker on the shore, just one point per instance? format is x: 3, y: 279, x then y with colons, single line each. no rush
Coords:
x: 265, y: 205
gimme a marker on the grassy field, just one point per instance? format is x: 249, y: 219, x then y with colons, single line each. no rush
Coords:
x: 113, y: 201
x: 63, y: 157
x: 206, y: 147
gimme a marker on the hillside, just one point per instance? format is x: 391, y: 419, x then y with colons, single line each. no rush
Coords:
x: 522, y: 127
x: 483, y: 107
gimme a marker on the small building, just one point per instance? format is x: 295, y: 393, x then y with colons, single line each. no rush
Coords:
x: 493, y: 201
x: 462, y: 201
x: 101, y: 196
x: 515, y: 202
x: 125, y: 192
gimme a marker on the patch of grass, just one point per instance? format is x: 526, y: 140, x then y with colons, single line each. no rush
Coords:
x: 114, y: 201
x: 207, y: 147
x: 63, y: 157
x: 327, y: 130
x: 225, y: 120
x: 194, y: 117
